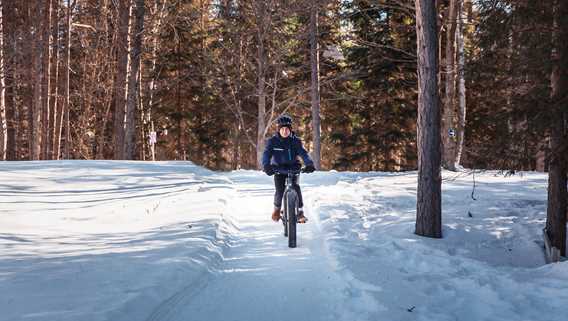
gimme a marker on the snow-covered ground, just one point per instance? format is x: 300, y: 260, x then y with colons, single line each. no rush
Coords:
x: 107, y: 240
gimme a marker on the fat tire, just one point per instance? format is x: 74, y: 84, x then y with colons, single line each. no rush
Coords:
x: 291, y: 209
x: 284, y: 215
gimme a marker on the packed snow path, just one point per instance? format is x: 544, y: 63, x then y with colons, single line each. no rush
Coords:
x: 141, y: 241
x: 260, y: 276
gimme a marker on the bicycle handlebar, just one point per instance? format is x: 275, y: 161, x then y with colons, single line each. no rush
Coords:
x: 290, y: 171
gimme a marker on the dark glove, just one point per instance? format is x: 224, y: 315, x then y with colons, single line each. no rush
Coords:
x: 269, y: 170
x: 309, y: 168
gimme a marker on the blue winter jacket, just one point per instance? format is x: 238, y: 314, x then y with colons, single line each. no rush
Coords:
x: 283, y: 153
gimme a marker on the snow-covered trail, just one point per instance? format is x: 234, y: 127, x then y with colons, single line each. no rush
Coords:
x: 141, y: 241
x: 260, y: 275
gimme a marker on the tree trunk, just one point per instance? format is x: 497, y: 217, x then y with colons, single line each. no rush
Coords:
x: 3, y: 123
x: 28, y: 47
x: 135, y: 53
x: 180, y: 152
x: 261, y: 74
x: 46, y: 79
x: 104, y: 117
x: 120, y: 84
x: 461, y: 85
x: 542, y: 155
x: 37, y: 73
x: 236, y: 143
x: 153, y: 72
x: 238, y: 102
x: 9, y: 75
x: 448, y: 121
x: 315, y: 90
x: 66, y: 105
x: 55, y: 105
x: 428, y: 214
x: 237, y: 99
x: 142, y: 143
x: 556, y: 210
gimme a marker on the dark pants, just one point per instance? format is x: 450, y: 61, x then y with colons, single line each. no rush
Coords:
x: 280, y: 184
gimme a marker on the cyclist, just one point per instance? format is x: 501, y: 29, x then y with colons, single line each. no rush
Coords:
x: 281, y: 153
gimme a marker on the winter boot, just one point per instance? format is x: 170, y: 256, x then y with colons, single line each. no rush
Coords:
x: 301, y: 217
x: 276, y: 214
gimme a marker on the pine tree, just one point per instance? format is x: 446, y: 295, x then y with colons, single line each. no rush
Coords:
x: 428, y: 212
x: 557, y: 193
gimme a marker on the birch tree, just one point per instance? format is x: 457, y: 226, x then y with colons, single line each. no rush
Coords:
x: 448, y: 122
x: 461, y: 85
x: 135, y: 54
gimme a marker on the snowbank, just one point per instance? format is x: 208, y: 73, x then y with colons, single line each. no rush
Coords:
x: 104, y: 240
x: 488, y: 266
x: 108, y: 240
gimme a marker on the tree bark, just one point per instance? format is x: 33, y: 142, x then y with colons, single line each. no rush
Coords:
x: 461, y: 85
x: 67, y: 83
x: 541, y: 164
x: 36, y: 73
x: 557, y: 198
x: 55, y: 105
x: 239, y: 127
x: 180, y: 123
x: 261, y: 76
x: 142, y: 143
x: 448, y: 121
x: 3, y: 122
x: 46, y: 79
x: 315, y: 82
x: 105, y: 116
x: 120, y: 84
x: 9, y: 101
x: 135, y: 53
x: 428, y: 214
x: 66, y: 102
x: 26, y: 71
x: 157, y: 23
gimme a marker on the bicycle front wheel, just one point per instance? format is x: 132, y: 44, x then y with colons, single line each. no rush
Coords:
x: 291, y: 210
x: 284, y: 216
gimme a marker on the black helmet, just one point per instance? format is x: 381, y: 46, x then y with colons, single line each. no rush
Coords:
x: 284, y: 121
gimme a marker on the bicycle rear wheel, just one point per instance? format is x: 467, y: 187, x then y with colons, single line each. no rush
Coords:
x: 291, y: 210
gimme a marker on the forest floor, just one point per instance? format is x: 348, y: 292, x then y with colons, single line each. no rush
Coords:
x: 112, y: 240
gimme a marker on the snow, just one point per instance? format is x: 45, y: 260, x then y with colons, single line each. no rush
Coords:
x: 110, y: 240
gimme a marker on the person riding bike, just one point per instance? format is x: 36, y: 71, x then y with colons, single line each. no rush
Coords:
x: 281, y: 153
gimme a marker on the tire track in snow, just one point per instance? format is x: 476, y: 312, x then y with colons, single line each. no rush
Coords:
x: 168, y: 308
x: 260, y: 277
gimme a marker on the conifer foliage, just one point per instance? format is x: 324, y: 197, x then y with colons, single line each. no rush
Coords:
x: 95, y: 79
